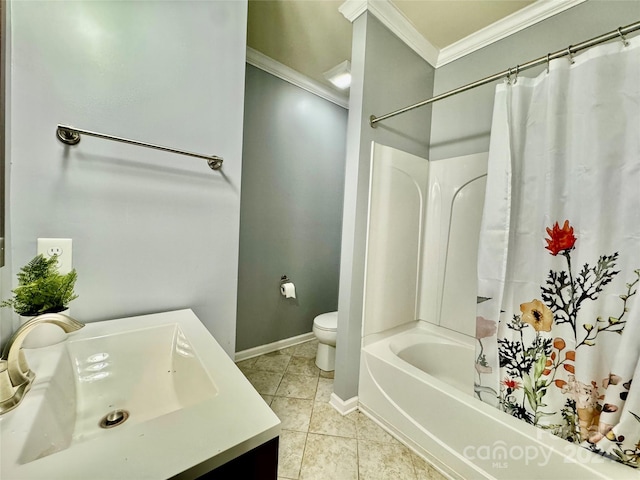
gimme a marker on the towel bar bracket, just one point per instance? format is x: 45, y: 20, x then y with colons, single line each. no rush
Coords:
x: 214, y: 163
x: 67, y: 136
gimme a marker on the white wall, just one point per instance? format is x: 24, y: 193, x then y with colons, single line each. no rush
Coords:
x: 448, y: 264
x: 152, y: 231
x: 399, y: 184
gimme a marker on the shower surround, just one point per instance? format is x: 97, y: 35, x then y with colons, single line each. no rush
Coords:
x: 417, y: 376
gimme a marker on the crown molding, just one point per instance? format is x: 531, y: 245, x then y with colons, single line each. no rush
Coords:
x: 517, y: 21
x: 401, y: 26
x: 392, y: 18
x: 352, y: 9
x: 269, y: 65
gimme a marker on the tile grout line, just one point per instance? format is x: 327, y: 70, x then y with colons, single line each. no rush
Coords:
x: 304, y: 449
x: 313, y: 406
x: 306, y: 434
x: 282, y: 377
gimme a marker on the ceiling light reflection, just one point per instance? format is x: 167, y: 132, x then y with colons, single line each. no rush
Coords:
x: 340, y: 75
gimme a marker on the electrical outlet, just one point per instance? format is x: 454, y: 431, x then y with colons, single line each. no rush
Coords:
x: 60, y: 247
x: 54, y: 251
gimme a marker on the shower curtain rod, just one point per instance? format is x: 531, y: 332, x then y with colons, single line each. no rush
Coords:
x: 569, y: 51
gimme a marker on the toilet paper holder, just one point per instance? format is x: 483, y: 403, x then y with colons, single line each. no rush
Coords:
x: 287, y: 288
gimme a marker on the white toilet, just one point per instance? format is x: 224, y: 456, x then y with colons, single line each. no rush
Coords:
x: 325, y: 328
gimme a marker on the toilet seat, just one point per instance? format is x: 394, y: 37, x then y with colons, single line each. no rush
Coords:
x: 327, y: 322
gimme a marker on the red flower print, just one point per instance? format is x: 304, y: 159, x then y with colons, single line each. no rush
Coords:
x: 511, y: 384
x: 561, y: 239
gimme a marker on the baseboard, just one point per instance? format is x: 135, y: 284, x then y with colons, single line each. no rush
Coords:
x: 343, y: 407
x: 272, y: 347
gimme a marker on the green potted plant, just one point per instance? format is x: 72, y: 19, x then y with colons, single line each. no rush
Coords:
x: 42, y: 289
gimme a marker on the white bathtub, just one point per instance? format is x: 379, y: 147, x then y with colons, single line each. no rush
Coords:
x: 417, y: 380
x: 443, y: 357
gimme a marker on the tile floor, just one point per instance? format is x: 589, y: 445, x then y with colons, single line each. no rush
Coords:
x: 316, y: 442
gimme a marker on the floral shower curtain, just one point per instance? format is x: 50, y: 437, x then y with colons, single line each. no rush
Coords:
x: 558, y: 326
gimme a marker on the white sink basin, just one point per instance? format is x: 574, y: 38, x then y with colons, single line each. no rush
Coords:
x: 188, y: 408
x: 146, y: 373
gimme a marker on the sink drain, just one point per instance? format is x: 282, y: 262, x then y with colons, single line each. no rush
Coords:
x: 113, y: 419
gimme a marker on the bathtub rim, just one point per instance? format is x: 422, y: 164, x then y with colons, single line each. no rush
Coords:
x: 422, y: 327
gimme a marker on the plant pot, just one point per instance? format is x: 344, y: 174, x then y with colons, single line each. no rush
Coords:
x: 43, y: 335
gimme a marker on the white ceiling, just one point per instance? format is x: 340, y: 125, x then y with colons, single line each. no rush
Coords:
x: 312, y: 36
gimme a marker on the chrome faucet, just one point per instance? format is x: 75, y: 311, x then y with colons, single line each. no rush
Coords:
x: 15, y: 375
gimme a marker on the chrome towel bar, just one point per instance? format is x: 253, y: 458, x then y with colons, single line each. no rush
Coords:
x: 71, y: 136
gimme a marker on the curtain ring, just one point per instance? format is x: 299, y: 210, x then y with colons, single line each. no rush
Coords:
x: 625, y: 42
x: 515, y: 80
x: 570, y: 55
x: 548, y: 55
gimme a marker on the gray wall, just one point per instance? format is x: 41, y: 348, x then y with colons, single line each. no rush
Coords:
x: 461, y: 124
x: 152, y: 231
x: 387, y: 75
x: 292, y: 191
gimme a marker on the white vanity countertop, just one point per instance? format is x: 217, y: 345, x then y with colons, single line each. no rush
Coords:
x: 185, y: 443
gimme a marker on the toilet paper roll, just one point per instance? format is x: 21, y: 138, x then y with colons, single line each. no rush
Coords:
x: 288, y: 290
